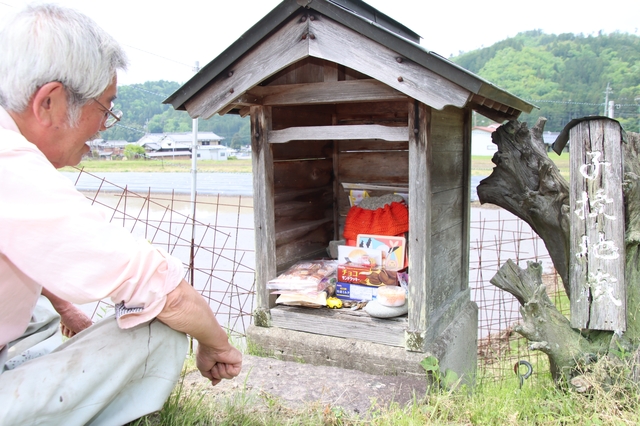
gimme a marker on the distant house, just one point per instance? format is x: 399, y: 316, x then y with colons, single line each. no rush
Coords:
x: 212, y: 152
x: 549, y: 138
x: 244, y: 153
x: 178, y: 145
x: 106, y: 149
x: 482, y: 145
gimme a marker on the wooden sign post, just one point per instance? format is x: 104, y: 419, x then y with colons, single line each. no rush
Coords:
x: 598, y: 292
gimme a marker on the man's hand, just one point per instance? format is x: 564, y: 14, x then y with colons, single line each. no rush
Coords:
x: 216, y: 366
x: 187, y: 311
x: 72, y: 319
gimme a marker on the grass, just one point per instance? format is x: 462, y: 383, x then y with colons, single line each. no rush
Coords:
x: 480, y: 166
x: 166, y: 165
x: 490, y: 402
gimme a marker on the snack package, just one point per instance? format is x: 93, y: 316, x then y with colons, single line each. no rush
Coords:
x: 305, y: 275
x: 312, y: 299
x: 393, y: 249
x: 359, y: 256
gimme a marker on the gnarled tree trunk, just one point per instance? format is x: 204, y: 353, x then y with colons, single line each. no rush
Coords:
x: 528, y: 184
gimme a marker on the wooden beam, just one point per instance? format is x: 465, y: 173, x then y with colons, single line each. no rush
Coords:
x: 336, y: 43
x: 343, y: 323
x: 322, y: 93
x: 364, y: 131
x: 283, y: 48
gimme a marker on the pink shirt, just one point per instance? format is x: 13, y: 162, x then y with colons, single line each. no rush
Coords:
x: 51, y: 236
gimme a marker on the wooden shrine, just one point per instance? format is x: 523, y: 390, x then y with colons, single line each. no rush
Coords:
x: 342, y: 96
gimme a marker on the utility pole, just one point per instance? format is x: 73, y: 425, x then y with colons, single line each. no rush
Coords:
x: 194, y: 156
x: 612, y: 106
x: 637, y: 99
x: 607, y: 92
x: 194, y: 172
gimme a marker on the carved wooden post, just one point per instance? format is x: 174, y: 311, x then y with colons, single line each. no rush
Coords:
x: 597, y: 253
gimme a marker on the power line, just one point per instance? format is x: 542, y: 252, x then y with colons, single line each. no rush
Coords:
x: 159, y: 56
x: 544, y: 101
x: 133, y: 86
x: 576, y: 103
x: 130, y: 128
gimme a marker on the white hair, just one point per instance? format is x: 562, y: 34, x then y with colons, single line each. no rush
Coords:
x: 46, y: 43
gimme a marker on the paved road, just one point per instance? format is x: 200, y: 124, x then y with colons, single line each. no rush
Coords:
x: 207, y: 183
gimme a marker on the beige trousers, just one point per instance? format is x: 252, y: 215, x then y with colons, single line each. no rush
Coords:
x: 102, y: 376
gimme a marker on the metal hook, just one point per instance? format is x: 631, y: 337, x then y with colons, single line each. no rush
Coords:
x: 526, y: 375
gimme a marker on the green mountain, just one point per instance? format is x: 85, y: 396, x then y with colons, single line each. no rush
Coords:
x: 565, y: 75
x: 144, y: 112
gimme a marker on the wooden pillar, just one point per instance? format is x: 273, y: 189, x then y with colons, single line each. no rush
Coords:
x: 597, y: 261
x: 419, y: 244
x: 466, y: 196
x: 263, y: 207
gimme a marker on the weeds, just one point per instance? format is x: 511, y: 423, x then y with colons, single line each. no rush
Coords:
x: 491, y: 401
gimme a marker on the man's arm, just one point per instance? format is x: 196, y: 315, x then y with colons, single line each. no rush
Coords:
x: 72, y: 319
x: 187, y: 311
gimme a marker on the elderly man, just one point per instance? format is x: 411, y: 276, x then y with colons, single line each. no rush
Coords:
x: 58, y: 73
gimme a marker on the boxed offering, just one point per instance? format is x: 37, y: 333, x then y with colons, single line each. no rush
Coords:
x: 362, y: 265
x: 366, y: 275
x: 356, y: 292
x: 359, y: 256
x: 392, y: 249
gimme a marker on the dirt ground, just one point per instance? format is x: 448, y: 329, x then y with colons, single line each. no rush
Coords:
x: 296, y: 385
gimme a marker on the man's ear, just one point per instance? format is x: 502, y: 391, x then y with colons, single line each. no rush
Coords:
x: 49, y: 102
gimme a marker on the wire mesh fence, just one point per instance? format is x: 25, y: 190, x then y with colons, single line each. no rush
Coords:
x: 497, y: 236
x: 216, y: 246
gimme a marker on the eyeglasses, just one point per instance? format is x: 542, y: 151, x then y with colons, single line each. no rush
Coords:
x: 112, y: 118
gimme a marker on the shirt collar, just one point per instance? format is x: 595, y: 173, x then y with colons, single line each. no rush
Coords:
x: 6, y: 122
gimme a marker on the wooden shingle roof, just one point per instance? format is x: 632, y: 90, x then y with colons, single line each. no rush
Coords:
x: 350, y: 33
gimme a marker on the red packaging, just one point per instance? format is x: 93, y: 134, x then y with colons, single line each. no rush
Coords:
x: 366, y: 276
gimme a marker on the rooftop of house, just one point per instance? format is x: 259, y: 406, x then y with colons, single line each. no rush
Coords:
x: 157, y: 138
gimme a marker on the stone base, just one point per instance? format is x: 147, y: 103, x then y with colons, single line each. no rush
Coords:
x: 455, y: 348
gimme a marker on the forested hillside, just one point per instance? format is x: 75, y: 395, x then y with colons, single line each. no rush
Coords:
x: 565, y: 75
x: 144, y: 112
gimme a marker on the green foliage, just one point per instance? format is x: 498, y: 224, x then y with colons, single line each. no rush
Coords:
x: 447, y: 380
x: 565, y: 75
x: 132, y: 151
x: 144, y: 112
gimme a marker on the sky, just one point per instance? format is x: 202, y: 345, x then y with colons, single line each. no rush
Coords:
x: 163, y: 40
